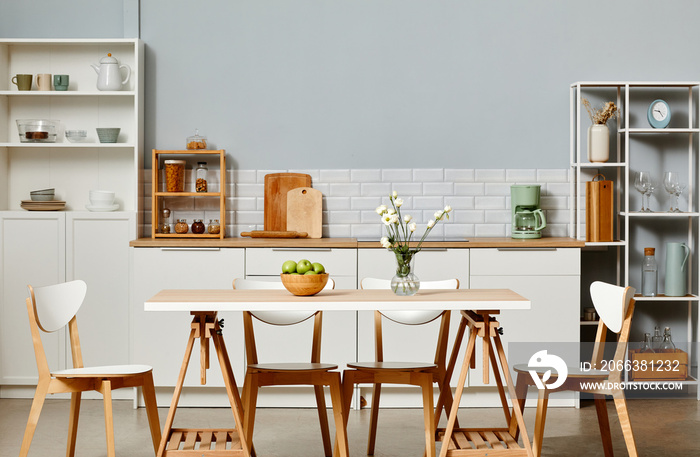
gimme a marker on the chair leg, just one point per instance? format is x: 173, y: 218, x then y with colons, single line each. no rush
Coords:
x: 625, y: 424
x: 323, y: 419
x: 374, y: 416
x: 601, y: 409
x: 540, y: 419
x: 149, y: 398
x: 251, y: 380
x: 425, y: 380
x: 521, y: 385
x: 106, y: 389
x: 34, y: 413
x: 73, y: 423
x: 339, y: 414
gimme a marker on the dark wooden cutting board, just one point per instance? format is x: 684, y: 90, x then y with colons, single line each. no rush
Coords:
x: 276, y: 187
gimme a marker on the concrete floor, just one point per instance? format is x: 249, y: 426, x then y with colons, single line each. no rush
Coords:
x: 661, y: 427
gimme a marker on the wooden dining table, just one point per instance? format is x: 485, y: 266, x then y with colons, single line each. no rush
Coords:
x: 477, y: 306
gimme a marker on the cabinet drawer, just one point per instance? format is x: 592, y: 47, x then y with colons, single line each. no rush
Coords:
x: 527, y: 261
x: 268, y: 261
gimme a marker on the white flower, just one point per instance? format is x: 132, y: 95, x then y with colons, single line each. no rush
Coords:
x: 431, y: 223
x: 391, y: 211
x: 394, y: 218
x: 448, y: 208
x: 412, y: 226
x: 385, y: 242
x: 438, y: 215
x: 387, y: 219
x: 394, y: 194
x: 398, y: 202
x: 407, y: 218
x: 381, y: 209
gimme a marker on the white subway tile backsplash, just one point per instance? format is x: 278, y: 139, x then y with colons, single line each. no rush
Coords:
x: 428, y: 175
x: 480, y: 199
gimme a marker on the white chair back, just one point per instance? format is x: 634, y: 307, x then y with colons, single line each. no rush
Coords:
x: 56, y: 305
x: 611, y: 303
x: 290, y: 317
x: 415, y: 317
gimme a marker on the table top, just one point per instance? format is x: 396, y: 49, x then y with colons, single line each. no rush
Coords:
x: 334, y: 300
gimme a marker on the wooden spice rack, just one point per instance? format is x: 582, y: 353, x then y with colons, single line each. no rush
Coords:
x: 158, y: 196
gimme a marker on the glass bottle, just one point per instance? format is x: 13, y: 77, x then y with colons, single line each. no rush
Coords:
x: 656, y: 339
x: 165, y: 221
x: 198, y: 226
x: 201, y: 177
x: 646, y: 344
x: 649, y: 273
x: 181, y: 226
x: 214, y: 228
x: 667, y: 344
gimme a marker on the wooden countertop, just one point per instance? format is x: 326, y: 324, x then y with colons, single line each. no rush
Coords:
x: 353, y: 243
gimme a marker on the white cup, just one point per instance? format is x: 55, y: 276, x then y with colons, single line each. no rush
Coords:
x: 101, y: 198
x: 43, y: 81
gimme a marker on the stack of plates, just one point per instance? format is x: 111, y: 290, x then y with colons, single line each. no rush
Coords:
x: 53, y: 205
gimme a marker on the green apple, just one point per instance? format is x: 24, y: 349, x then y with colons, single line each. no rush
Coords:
x: 303, y: 266
x: 310, y: 272
x: 294, y: 273
x: 289, y: 266
x: 318, y: 268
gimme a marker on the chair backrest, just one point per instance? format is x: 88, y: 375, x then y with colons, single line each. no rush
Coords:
x: 278, y: 318
x: 416, y: 317
x: 615, y: 306
x: 51, y: 308
x: 290, y: 317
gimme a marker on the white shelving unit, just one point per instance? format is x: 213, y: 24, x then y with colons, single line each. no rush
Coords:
x: 635, y: 146
x: 72, y: 168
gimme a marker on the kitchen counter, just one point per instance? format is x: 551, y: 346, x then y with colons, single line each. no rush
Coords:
x: 476, y: 242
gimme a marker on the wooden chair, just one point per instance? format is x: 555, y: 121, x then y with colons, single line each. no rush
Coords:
x: 312, y: 373
x: 51, y: 308
x: 410, y: 373
x: 615, y: 306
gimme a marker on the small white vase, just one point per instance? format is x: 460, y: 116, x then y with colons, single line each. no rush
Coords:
x: 598, y: 143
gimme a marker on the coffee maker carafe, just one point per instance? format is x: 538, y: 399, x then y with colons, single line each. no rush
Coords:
x: 528, y: 219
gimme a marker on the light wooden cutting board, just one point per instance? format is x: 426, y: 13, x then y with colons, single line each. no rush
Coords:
x: 305, y: 211
x: 276, y: 187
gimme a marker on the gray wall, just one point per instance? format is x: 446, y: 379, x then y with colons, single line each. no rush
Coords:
x: 380, y: 84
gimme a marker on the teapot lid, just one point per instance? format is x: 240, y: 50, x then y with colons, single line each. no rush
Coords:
x: 108, y: 59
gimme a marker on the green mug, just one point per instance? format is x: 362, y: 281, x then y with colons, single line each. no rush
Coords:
x: 60, y: 82
x: 23, y: 82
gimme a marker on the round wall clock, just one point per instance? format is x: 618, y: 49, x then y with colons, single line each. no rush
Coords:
x: 659, y: 114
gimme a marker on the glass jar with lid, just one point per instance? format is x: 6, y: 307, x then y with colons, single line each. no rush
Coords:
x: 198, y: 226
x: 214, y: 228
x: 201, y: 177
x: 196, y: 141
x: 181, y: 227
x: 175, y: 175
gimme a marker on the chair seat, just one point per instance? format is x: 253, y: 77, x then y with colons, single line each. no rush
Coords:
x: 573, y: 372
x: 107, y: 370
x: 292, y: 366
x: 392, y: 366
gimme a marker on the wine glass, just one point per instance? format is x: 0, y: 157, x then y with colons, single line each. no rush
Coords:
x: 674, y: 187
x: 642, y: 182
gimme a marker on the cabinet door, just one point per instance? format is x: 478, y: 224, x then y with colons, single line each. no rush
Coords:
x: 97, y: 252
x: 159, y: 338
x: 33, y: 252
x: 402, y: 342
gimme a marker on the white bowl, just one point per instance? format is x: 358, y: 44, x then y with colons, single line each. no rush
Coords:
x: 101, y: 198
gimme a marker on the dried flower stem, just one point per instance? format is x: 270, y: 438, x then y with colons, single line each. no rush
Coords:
x: 601, y: 116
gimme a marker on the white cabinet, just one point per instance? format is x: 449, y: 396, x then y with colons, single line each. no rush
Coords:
x: 72, y: 168
x: 159, y: 338
x: 550, y: 278
x: 339, y: 334
x: 401, y: 342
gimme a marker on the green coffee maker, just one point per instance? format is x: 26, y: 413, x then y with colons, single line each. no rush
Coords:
x: 528, y: 219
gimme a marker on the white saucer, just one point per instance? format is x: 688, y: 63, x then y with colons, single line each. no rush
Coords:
x: 113, y: 207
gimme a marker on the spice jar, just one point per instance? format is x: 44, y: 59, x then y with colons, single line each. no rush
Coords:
x: 198, y: 226
x: 201, y: 177
x: 181, y: 226
x: 175, y: 175
x: 165, y: 221
x: 214, y: 228
x: 196, y: 141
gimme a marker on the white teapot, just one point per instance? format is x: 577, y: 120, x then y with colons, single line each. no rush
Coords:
x: 109, y: 76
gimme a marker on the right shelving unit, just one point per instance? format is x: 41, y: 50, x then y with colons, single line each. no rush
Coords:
x: 636, y: 146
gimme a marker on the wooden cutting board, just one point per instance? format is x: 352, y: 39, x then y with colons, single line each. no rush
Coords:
x: 305, y: 211
x: 276, y: 187
x: 273, y: 234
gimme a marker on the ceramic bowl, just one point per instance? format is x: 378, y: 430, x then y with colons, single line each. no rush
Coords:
x: 101, y: 197
x: 304, y: 284
x: 41, y: 197
x: 50, y: 191
x: 76, y: 136
x: 108, y: 135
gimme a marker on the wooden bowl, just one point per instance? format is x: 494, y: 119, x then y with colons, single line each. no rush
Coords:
x: 304, y: 284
